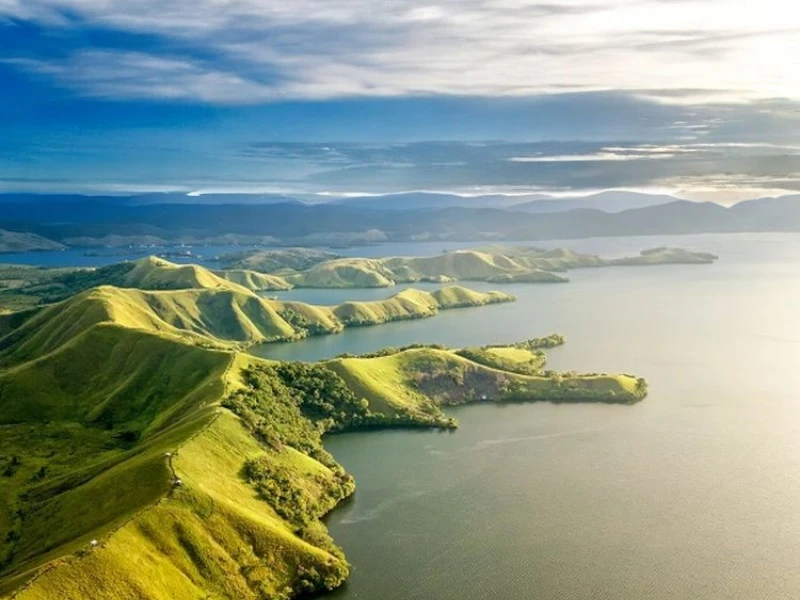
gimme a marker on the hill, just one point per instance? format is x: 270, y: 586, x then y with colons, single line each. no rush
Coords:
x: 611, y: 201
x: 406, y: 305
x: 497, y: 264
x: 185, y: 300
x: 129, y: 418
x: 42, y: 286
x: 92, y: 402
x: 13, y: 241
x: 417, y: 382
x: 661, y: 256
x: 257, y: 282
x: 432, y: 201
x: 277, y: 261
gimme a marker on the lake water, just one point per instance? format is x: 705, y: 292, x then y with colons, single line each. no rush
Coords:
x: 693, y: 493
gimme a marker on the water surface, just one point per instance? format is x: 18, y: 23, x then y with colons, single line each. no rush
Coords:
x: 693, y: 493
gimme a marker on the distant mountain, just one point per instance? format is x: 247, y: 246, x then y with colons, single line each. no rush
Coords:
x: 12, y: 241
x: 93, y: 223
x: 211, y: 198
x: 611, y: 201
x: 432, y: 201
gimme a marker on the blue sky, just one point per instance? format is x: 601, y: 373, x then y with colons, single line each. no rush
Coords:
x: 127, y: 95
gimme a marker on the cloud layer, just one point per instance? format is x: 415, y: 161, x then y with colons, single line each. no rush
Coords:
x: 252, y: 51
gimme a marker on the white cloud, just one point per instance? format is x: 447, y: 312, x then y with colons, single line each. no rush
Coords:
x: 678, y: 51
x: 597, y: 156
x: 137, y: 75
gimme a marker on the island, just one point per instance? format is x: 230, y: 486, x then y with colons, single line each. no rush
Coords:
x: 495, y: 264
x: 144, y: 450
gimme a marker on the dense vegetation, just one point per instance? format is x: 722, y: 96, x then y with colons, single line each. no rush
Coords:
x: 304, y: 325
x: 295, y: 404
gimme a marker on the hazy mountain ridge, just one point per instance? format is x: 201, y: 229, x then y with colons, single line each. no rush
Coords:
x: 93, y: 223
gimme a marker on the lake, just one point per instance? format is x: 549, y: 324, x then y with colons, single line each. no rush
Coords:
x: 693, y: 493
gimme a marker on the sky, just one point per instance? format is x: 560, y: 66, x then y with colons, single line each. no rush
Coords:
x: 328, y: 97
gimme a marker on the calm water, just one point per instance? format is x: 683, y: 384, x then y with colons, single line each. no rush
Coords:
x: 694, y: 493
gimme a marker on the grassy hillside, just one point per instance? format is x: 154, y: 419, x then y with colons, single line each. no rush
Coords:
x: 205, y: 317
x: 495, y: 264
x: 44, y: 286
x: 256, y: 282
x: 344, y: 273
x: 93, y: 396
x: 417, y: 381
x: 274, y: 270
x: 128, y: 417
x: 405, y: 305
x: 85, y: 419
x: 277, y: 261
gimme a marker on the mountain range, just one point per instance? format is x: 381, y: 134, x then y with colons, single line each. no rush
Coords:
x: 95, y: 221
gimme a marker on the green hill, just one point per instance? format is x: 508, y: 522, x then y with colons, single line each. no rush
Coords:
x: 405, y: 305
x: 497, y: 264
x: 256, y: 282
x: 158, y: 274
x: 194, y: 316
x: 418, y: 381
x: 44, y: 286
x: 277, y: 261
x: 344, y: 273
x: 93, y: 393
x: 276, y: 270
x: 130, y: 418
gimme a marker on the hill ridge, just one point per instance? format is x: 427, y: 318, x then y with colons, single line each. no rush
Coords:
x: 101, y: 394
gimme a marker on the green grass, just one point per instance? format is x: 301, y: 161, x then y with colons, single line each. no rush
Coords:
x: 344, y: 273
x: 213, y: 536
x: 256, y: 282
x: 201, y: 307
x: 519, y: 355
x: 96, y: 389
x: 405, y: 305
x: 277, y: 261
x: 419, y: 381
x: 35, y: 286
x: 498, y: 264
